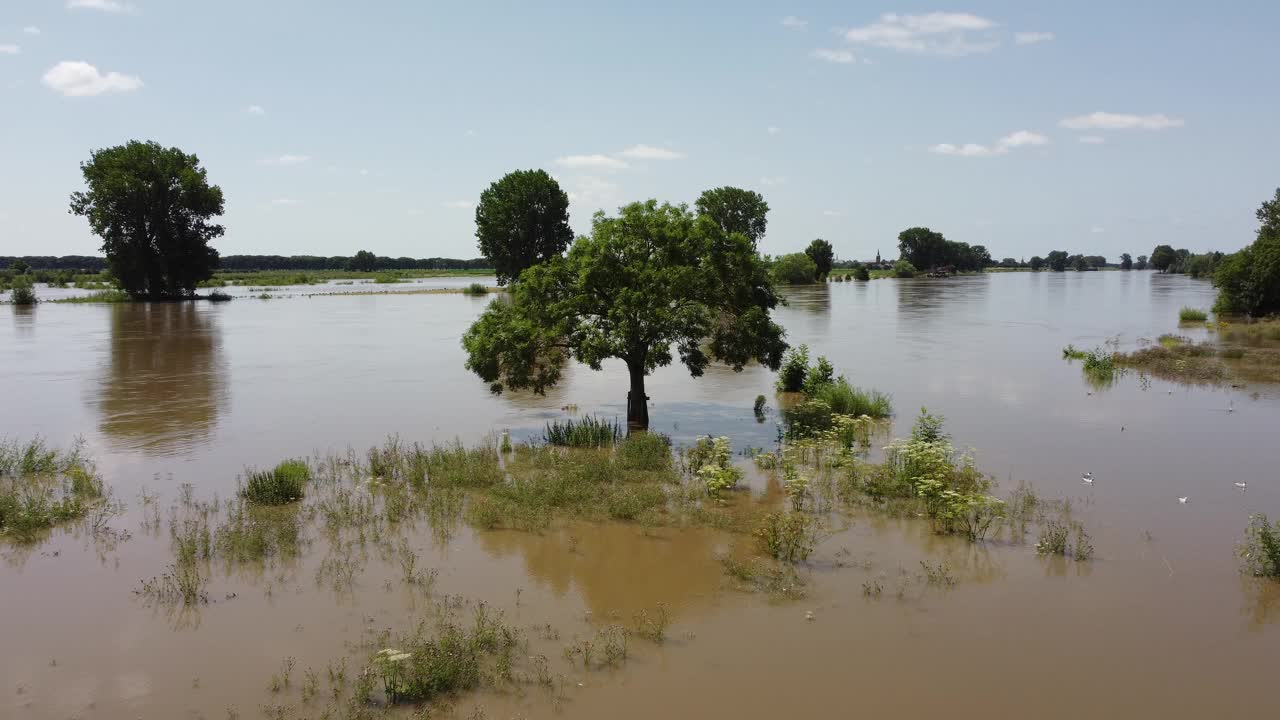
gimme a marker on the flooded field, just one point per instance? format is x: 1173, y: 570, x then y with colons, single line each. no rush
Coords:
x: 1160, y: 623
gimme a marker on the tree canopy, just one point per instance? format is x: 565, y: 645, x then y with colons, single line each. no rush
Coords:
x: 1036, y: 263
x: 795, y: 269
x: 651, y: 284
x: 736, y: 211
x: 153, y: 208
x: 822, y: 254
x: 1057, y: 260
x: 1126, y: 261
x: 926, y: 249
x: 1248, y: 281
x: 1163, y: 257
x: 522, y: 220
x: 364, y: 261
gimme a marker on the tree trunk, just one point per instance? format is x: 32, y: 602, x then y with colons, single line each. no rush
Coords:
x: 637, y: 401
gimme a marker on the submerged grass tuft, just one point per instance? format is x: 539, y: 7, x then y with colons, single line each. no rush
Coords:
x: 589, y: 432
x: 1192, y: 315
x: 283, y: 484
x: 42, y: 486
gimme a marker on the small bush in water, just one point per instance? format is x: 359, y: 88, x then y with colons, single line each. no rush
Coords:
x: 1190, y: 314
x: 283, y: 484
x: 795, y: 367
x: 1261, y: 548
x: 789, y: 537
x: 476, y: 289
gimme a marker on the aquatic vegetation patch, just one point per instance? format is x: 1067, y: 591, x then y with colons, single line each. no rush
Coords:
x: 424, y: 664
x: 1260, y: 551
x: 827, y: 397
x: 475, y: 289
x: 42, y: 486
x: 285, y: 483
x: 588, y: 432
x: 1192, y: 315
x: 789, y: 537
x: 101, y: 296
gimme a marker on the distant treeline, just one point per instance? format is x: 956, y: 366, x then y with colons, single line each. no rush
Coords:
x: 243, y: 263
x: 87, y: 263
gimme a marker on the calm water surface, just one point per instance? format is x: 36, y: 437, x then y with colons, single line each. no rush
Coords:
x: 1160, y: 625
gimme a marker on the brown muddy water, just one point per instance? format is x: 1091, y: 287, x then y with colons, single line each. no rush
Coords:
x: 1160, y: 624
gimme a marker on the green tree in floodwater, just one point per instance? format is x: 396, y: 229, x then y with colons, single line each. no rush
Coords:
x: 153, y: 207
x: 822, y: 254
x: 1057, y: 260
x: 1163, y: 257
x: 1140, y: 263
x: 736, y: 211
x: 522, y: 220
x: 1126, y: 261
x: 1037, y: 263
x: 795, y: 269
x: 20, y: 267
x: 922, y: 247
x: 654, y: 283
x: 1248, y: 281
x: 363, y: 261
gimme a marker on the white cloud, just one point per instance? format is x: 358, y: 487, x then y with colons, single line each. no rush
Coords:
x: 10, y: 49
x: 1031, y: 38
x: 775, y: 180
x: 966, y: 150
x: 591, y: 161
x: 110, y: 6
x: 649, y: 152
x: 1092, y: 139
x: 832, y: 213
x: 287, y: 159
x: 1021, y: 138
x: 842, y: 57
x: 772, y: 130
x: 793, y: 22
x: 459, y: 204
x: 255, y: 110
x: 31, y: 30
x: 80, y: 79
x: 936, y: 33
x: 284, y: 201
x: 1120, y: 121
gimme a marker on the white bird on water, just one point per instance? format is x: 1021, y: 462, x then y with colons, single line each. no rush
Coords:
x: 1183, y: 499
x: 1087, y: 478
x: 1242, y: 485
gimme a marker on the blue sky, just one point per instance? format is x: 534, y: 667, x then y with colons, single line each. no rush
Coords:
x: 331, y: 125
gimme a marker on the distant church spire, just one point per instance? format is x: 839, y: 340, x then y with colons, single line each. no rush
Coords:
x: 877, y: 256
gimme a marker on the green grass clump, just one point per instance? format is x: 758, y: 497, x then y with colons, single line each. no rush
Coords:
x: 386, y: 278
x: 476, y: 289
x: 217, y: 296
x: 645, y: 451
x: 1261, y: 548
x: 101, y: 296
x: 795, y: 368
x: 41, y: 487
x: 845, y: 399
x: 283, y: 484
x: 423, y: 666
x: 1192, y: 315
x: 589, y: 432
